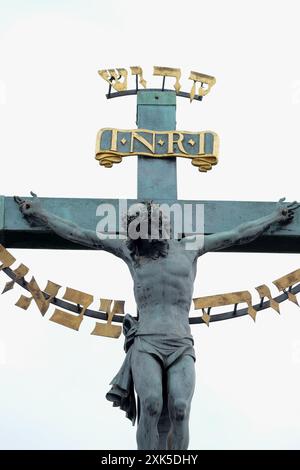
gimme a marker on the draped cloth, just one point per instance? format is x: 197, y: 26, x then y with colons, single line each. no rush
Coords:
x: 122, y: 390
x: 166, y: 349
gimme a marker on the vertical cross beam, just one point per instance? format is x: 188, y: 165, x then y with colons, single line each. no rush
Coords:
x: 157, y: 178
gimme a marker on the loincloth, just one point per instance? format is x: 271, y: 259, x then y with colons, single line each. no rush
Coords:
x: 164, y: 348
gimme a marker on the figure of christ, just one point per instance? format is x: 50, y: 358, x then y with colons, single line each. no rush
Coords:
x: 160, y: 356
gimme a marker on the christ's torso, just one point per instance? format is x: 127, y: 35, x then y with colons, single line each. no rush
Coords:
x: 163, y: 290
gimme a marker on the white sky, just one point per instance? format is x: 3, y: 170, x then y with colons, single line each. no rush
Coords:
x: 52, y: 103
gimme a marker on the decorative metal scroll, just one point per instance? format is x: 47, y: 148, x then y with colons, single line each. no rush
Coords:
x: 112, y: 311
x: 118, y: 80
x: 114, y: 144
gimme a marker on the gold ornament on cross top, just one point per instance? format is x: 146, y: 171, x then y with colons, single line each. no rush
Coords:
x: 117, y: 79
x: 114, y: 144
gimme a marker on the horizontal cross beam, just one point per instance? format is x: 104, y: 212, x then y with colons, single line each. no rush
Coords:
x: 218, y: 216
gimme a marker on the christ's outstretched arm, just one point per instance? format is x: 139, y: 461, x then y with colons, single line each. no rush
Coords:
x: 34, y: 213
x: 249, y: 231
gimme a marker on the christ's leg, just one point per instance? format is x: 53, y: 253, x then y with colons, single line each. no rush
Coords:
x: 181, y: 384
x: 147, y: 377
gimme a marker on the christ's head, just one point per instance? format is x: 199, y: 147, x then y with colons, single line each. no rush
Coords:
x: 148, y: 231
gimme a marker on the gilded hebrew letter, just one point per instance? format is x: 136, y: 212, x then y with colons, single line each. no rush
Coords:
x: 109, y: 330
x: 232, y: 298
x: 105, y: 75
x: 6, y: 258
x: 264, y: 291
x: 67, y: 319
x: 287, y: 282
x: 169, y: 72
x: 19, y: 273
x: 38, y: 296
x: 119, y: 85
x: 117, y: 78
x: 138, y: 71
x: 204, y: 80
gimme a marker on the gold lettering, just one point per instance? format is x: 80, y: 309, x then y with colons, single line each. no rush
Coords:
x: 201, y: 143
x: 264, y: 291
x: 135, y: 70
x: 38, y: 296
x: 6, y: 258
x: 118, y: 85
x: 142, y: 140
x: 204, y: 80
x: 169, y: 72
x: 105, y: 75
x: 185, y: 141
x: 67, y: 319
x: 114, y: 138
x: 109, y: 330
x: 287, y: 282
x: 172, y: 142
x: 114, y: 76
x: 19, y: 273
x: 226, y: 299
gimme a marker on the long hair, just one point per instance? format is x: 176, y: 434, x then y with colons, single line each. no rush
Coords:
x: 150, y: 247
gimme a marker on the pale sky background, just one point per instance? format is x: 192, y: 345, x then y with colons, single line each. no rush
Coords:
x: 52, y: 102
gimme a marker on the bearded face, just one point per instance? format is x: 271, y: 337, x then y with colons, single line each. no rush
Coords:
x: 148, y: 232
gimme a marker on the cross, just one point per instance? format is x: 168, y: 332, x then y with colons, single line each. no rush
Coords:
x: 156, y: 181
x: 156, y: 110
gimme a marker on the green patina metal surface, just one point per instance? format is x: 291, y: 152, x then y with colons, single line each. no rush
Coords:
x: 2, y: 202
x: 156, y: 110
x: 219, y: 216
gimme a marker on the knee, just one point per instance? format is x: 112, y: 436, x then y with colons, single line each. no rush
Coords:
x: 152, y: 405
x: 179, y: 410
